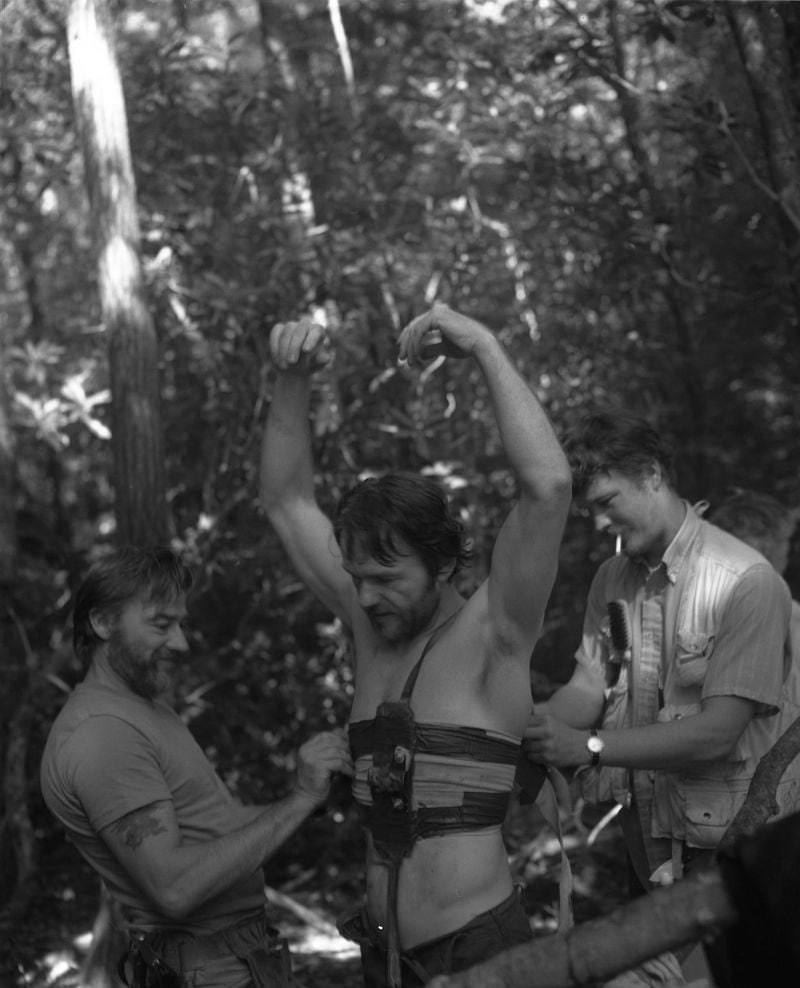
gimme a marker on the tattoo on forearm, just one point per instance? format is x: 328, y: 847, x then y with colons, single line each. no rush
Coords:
x: 133, y: 828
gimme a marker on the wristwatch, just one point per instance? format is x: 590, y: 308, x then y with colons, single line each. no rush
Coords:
x: 595, y: 744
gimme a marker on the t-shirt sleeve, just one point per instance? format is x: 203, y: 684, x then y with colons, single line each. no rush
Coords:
x: 115, y: 770
x: 748, y: 656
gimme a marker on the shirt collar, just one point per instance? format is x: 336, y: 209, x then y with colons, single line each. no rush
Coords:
x: 677, y: 551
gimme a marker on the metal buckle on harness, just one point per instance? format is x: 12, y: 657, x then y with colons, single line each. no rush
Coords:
x: 391, y: 778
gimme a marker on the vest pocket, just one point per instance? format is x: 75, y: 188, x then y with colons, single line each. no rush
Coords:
x: 707, y: 817
x: 692, y: 651
x: 710, y: 806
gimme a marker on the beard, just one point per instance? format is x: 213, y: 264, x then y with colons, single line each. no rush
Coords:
x: 139, y: 668
x: 400, y: 627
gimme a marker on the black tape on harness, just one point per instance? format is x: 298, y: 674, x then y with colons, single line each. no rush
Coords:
x: 390, y: 779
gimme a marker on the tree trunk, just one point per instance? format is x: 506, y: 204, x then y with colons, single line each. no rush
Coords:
x: 8, y: 505
x: 133, y: 351
x: 674, y: 287
x: 297, y: 198
x: 18, y: 844
x: 759, y: 32
x: 8, y: 550
x: 17, y: 813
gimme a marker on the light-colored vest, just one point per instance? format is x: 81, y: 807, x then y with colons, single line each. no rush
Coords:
x: 697, y: 805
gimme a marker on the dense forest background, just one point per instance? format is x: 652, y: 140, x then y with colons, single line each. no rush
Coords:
x: 612, y: 185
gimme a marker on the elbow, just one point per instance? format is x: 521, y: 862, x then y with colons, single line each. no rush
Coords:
x: 268, y: 493
x: 173, y: 893
x: 714, y: 748
x: 722, y: 749
x: 267, y: 499
x: 281, y: 495
x: 272, y: 497
x: 556, y: 489
x: 561, y: 473
x: 174, y: 903
x: 559, y: 478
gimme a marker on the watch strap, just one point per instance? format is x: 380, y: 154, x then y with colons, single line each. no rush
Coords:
x: 595, y: 755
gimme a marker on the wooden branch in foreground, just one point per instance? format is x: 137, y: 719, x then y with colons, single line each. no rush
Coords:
x: 760, y: 804
x: 698, y: 906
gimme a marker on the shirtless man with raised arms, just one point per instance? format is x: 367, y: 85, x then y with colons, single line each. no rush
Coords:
x: 435, y: 742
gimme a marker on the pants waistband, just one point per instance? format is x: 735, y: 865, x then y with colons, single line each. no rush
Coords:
x: 359, y: 928
x: 498, y: 912
x: 183, y: 951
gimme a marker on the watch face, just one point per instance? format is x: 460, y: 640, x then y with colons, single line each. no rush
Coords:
x: 595, y: 745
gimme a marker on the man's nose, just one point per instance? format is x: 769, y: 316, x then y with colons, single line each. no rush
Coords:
x: 367, y: 595
x: 177, y: 640
x: 601, y: 521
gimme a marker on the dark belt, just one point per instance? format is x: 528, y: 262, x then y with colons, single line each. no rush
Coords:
x: 185, y: 952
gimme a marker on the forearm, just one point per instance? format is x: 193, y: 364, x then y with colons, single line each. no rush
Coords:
x: 528, y: 438
x: 286, y: 464
x: 197, y: 872
x: 671, y: 746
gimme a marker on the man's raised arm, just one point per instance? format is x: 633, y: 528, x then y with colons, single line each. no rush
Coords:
x: 287, y: 473
x: 525, y: 555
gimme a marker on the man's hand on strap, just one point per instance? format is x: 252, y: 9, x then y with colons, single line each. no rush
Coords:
x: 318, y: 760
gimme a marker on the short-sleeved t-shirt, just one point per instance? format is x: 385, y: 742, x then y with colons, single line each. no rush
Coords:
x: 111, y: 752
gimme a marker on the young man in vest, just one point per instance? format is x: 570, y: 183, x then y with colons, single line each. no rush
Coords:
x: 679, y: 673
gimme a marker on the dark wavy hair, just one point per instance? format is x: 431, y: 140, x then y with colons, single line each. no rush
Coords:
x: 152, y: 572
x: 614, y: 441
x: 383, y: 517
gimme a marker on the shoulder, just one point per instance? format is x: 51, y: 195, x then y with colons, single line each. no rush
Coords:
x: 725, y: 550
x: 86, y: 754
x: 98, y: 742
x: 719, y: 559
x: 96, y: 724
x: 741, y: 581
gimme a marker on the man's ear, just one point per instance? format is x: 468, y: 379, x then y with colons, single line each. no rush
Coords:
x: 102, y: 623
x: 655, y: 475
x: 446, y: 570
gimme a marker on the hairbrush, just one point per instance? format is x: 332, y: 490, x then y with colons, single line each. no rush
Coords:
x: 619, y: 631
x: 619, y: 626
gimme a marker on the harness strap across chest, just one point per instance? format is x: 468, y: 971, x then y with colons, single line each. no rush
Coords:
x: 393, y: 739
x: 390, y: 780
